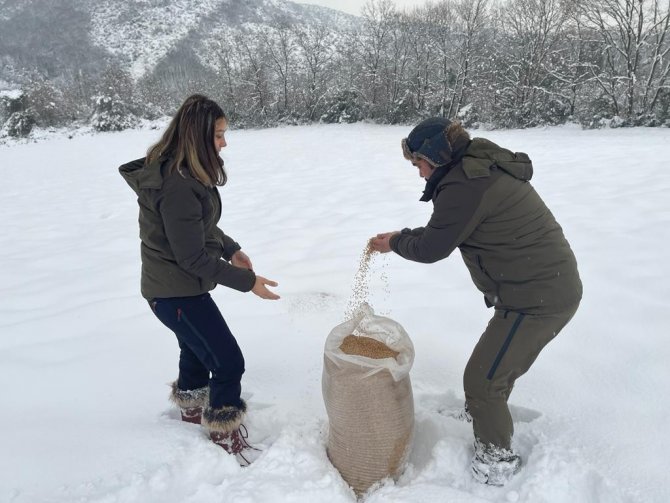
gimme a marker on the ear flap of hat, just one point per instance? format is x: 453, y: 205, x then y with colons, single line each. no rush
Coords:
x: 436, y: 150
x: 406, y: 152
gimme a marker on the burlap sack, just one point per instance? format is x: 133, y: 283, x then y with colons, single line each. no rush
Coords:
x: 369, y: 402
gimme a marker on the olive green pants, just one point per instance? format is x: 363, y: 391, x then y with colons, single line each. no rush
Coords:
x: 509, y: 346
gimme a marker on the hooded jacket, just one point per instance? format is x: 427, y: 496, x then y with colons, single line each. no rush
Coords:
x: 183, y: 251
x: 514, y: 249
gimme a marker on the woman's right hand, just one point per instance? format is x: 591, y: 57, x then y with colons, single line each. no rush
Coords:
x: 260, y: 288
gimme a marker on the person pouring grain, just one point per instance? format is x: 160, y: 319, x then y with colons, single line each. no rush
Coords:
x: 517, y: 256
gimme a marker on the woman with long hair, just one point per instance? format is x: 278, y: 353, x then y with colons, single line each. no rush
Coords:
x: 184, y: 256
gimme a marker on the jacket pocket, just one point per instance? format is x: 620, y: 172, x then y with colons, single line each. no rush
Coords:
x: 493, y: 290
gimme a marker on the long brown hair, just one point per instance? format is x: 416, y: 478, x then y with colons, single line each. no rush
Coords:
x: 188, y: 141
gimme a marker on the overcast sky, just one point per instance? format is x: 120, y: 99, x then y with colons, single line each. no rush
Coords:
x: 354, y: 6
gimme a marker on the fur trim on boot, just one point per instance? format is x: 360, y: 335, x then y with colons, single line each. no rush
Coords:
x: 186, y: 399
x: 225, y: 419
x: 190, y: 402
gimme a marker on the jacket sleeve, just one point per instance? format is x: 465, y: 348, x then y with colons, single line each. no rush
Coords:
x: 454, y: 218
x: 229, y: 245
x: 414, y: 232
x: 181, y: 209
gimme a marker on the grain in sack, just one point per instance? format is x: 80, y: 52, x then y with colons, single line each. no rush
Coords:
x: 368, y: 396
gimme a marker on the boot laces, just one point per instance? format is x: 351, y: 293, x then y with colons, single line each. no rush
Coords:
x: 242, y: 434
x: 235, y: 443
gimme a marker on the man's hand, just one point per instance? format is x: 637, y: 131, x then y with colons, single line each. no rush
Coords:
x: 261, y: 289
x: 381, y: 242
x: 240, y: 259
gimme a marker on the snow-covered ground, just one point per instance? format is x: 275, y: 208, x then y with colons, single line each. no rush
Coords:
x: 84, y: 364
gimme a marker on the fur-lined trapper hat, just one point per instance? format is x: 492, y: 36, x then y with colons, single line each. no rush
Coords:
x: 435, y: 140
x: 225, y: 419
x: 187, y: 399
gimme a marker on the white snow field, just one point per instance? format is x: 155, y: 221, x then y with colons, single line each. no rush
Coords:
x: 85, y: 366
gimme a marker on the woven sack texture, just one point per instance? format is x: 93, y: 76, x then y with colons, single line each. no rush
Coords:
x: 369, y: 402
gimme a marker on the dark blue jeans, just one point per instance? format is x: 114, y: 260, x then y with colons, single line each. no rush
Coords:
x: 207, y: 347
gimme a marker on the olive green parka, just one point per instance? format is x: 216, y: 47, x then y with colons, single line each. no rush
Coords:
x: 183, y: 251
x: 511, y: 243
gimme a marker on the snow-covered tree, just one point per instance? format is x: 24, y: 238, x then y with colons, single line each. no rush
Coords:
x: 634, y: 45
x: 20, y: 124
x: 111, y: 113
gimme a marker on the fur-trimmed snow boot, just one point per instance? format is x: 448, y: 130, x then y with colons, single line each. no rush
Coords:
x: 493, y: 465
x: 190, y: 402
x: 236, y: 443
x: 227, y: 431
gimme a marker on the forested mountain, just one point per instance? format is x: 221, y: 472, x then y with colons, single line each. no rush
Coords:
x: 64, y: 60
x: 57, y: 39
x: 516, y: 63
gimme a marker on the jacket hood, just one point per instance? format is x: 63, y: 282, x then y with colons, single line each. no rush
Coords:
x: 482, y: 154
x: 142, y: 176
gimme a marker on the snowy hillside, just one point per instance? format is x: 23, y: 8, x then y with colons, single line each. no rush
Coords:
x: 142, y: 33
x: 85, y: 365
x: 144, y: 36
x: 138, y: 34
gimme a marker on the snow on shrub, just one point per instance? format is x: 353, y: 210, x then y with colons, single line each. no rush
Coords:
x: 20, y: 124
x: 343, y: 107
x: 112, y: 114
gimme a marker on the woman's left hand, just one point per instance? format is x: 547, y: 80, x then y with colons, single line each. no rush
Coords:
x: 240, y: 259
